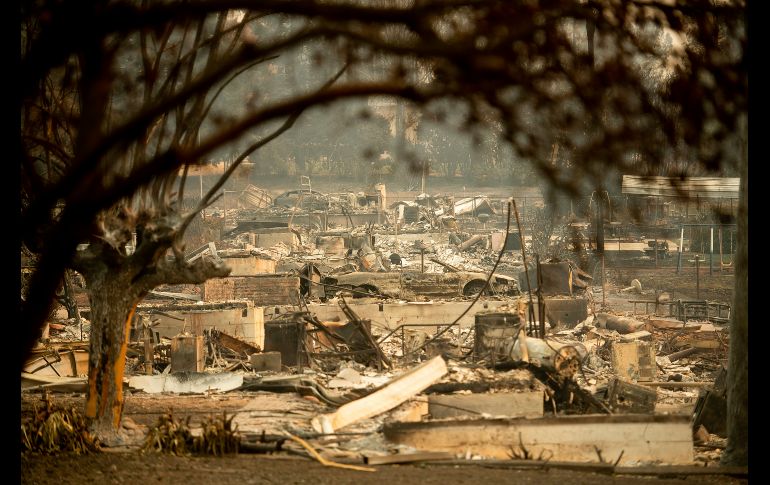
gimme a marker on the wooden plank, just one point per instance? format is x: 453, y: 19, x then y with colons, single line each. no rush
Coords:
x: 394, y: 393
x: 244, y: 349
x: 513, y: 404
x: 408, y: 458
x: 634, y: 439
x: 682, y: 353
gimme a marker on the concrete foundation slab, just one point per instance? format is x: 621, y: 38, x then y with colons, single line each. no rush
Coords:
x: 634, y: 439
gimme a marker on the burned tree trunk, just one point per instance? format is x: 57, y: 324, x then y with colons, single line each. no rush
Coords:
x: 113, y: 301
x: 738, y: 360
x: 117, y: 281
x: 68, y: 299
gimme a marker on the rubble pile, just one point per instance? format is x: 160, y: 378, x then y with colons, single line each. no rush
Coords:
x: 423, y: 341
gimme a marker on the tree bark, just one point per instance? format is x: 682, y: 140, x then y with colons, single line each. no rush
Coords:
x: 737, y: 452
x: 69, y: 297
x: 116, y: 283
x: 112, y: 309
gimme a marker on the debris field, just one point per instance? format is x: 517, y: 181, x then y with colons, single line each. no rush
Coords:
x: 358, y: 331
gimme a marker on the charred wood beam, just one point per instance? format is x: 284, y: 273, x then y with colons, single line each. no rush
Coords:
x: 238, y: 346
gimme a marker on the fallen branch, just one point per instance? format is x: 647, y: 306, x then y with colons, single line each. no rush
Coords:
x: 323, y: 461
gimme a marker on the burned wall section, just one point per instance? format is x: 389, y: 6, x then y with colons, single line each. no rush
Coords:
x: 262, y: 290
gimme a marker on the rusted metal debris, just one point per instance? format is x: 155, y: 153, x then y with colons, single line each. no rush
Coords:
x: 327, y: 340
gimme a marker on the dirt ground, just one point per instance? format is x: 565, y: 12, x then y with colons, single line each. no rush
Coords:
x: 132, y: 468
x: 716, y: 287
x: 128, y: 465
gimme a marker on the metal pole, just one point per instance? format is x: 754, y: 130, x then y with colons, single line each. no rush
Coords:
x: 540, y: 302
x: 604, y: 292
x: 711, y: 252
x: 531, y: 314
x: 681, y: 243
x: 697, y: 277
x: 721, y: 256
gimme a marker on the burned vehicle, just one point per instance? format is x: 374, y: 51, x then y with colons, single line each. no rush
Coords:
x: 302, y: 199
x: 412, y: 284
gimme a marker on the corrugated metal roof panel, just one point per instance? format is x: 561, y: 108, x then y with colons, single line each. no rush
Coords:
x: 692, y: 187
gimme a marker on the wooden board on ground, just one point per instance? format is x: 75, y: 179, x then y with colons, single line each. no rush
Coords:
x: 634, y: 438
x: 407, y: 458
x: 391, y: 395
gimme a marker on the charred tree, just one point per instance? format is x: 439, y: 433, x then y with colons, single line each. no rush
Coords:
x: 737, y: 452
x: 117, y: 279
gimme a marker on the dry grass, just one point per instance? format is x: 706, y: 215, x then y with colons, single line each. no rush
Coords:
x: 174, y: 436
x: 54, y: 429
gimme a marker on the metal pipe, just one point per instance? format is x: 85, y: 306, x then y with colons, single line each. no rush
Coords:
x: 711, y: 252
